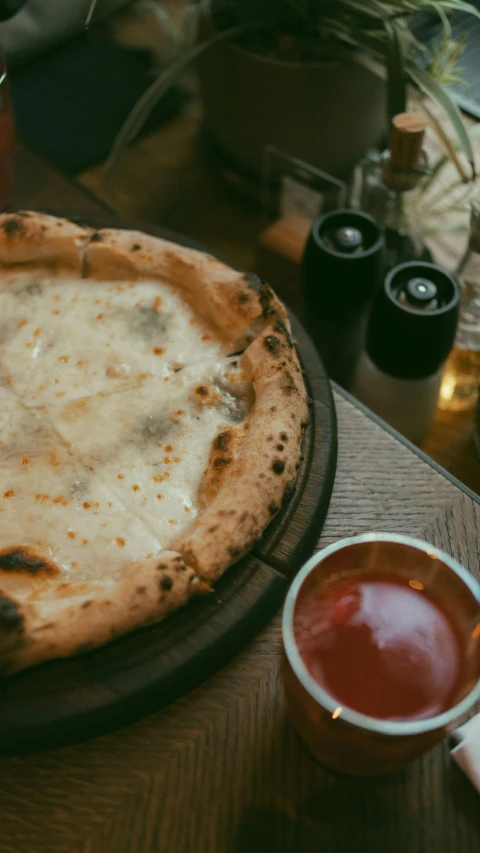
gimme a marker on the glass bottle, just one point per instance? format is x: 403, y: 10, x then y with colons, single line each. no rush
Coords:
x: 461, y: 378
x: 385, y: 179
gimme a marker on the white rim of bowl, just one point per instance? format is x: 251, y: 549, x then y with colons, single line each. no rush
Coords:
x: 385, y: 727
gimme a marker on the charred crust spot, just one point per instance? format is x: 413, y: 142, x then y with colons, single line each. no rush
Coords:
x: 213, y: 528
x: 283, y: 436
x: 136, y: 247
x: 140, y: 590
x: 273, y: 508
x: 13, y: 225
x: 273, y: 408
x: 96, y: 237
x: 166, y: 583
x: 223, y: 441
x: 282, y: 328
x: 234, y: 551
x: 278, y: 466
x: 86, y: 604
x: 254, y: 281
x: 264, y: 293
x: 287, y: 384
x: 288, y: 491
x: 202, y: 391
x: 221, y: 461
x: 243, y: 516
x: 280, y: 447
x: 23, y: 559
x: 11, y: 618
x: 243, y: 297
x: 273, y: 344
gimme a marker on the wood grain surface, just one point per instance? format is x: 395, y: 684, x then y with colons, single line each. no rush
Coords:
x: 221, y: 770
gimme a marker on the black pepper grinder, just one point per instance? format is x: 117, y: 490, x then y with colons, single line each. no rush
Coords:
x: 341, y: 266
x: 410, y: 333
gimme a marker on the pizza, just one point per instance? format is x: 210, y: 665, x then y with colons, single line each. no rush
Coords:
x: 151, y: 415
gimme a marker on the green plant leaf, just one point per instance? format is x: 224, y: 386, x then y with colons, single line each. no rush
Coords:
x: 459, y: 6
x: 446, y: 228
x: 156, y: 91
x: 429, y: 86
x: 447, y: 30
x: 434, y: 172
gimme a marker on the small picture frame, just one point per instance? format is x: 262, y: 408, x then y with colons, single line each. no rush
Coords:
x: 293, y: 189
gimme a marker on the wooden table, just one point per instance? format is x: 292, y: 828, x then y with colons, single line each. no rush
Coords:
x: 221, y: 770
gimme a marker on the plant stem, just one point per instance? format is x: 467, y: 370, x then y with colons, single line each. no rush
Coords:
x: 156, y: 91
x: 446, y: 142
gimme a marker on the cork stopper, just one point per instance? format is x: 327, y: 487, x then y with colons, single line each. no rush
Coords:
x: 406, y: 140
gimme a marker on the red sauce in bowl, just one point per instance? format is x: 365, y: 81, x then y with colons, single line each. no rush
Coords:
x: 381, y: 647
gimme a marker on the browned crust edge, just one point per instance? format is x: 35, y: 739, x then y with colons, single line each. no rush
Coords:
x: 257, y: 478
x: 28, y: 237
x: 262, y: 473
x: 238, y: 304
x: 57, y: 626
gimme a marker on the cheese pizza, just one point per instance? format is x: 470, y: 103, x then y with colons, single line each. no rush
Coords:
x: 151, y: 415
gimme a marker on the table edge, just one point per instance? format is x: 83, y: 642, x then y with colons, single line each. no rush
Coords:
x: 406, y: 442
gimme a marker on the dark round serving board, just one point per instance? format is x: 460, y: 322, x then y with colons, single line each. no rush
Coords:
x: 70, y: 700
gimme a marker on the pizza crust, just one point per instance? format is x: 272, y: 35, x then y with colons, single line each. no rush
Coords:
x: 27, y: 237
x: 236, y: 303
x: 252, y: 467
x: 69, y: 621
x: 259, y: 475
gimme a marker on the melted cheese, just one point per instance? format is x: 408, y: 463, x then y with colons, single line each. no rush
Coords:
x: 110, y: 398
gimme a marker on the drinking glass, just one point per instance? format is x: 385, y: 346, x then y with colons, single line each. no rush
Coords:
x: 346, y: 740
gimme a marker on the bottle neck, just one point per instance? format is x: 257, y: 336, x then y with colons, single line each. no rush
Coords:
x: 399, y: 180
x: 383, y: 191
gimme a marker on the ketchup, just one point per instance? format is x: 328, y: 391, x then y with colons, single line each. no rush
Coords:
x: 381, y: 647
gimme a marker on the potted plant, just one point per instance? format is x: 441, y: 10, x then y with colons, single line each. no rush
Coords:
x: 316, y: 78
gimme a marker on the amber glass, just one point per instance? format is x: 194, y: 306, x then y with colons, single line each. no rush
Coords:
x: 7, y: 140
x: 344, y: 739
